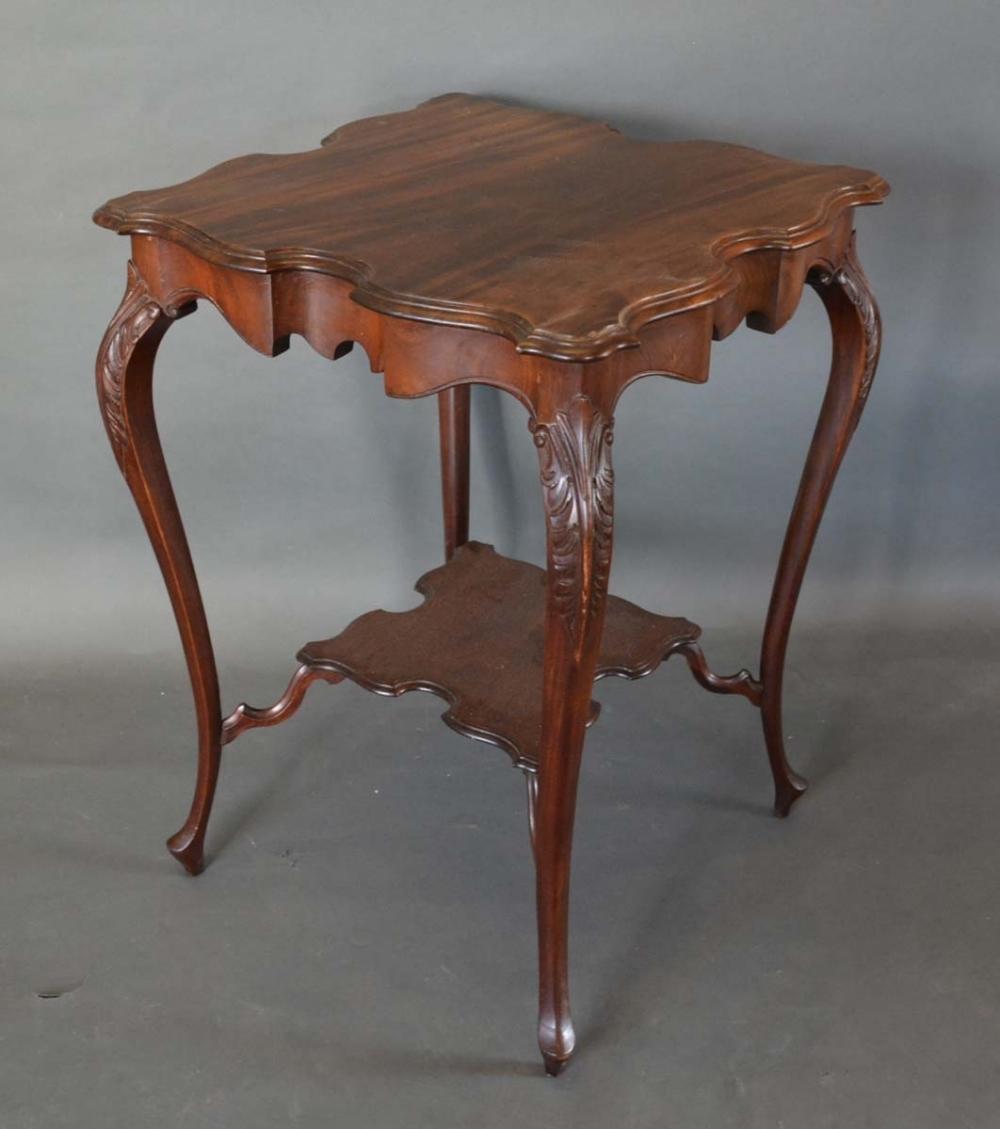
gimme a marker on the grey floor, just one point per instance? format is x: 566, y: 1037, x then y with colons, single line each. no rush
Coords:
x: 360, y: 951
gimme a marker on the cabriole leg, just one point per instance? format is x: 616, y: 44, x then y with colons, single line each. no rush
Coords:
x: 856, y: 329
x: 453, y: 417
x: 125, y: 392
x: 574, y: 448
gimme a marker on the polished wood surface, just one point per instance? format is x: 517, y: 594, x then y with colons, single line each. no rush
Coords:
x: 125, y: 392
x: 478, y: 641
x: 454, y: 406
x: 467, y: 241
x: 553, y: 230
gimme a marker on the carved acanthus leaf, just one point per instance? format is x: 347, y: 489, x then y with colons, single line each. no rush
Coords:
x: 578, y: 483
x: 137, y: 312
x: 852, y: 281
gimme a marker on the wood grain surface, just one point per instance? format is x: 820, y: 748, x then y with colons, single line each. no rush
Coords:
x: 552, y: 230
x: 478, y: 642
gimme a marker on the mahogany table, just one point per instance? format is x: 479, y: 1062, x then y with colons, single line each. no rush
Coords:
x: 468, y: 241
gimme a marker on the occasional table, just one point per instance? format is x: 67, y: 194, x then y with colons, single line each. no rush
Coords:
x: 464, y: 242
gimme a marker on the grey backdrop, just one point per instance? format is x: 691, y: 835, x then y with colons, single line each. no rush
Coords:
x: 308, y: 497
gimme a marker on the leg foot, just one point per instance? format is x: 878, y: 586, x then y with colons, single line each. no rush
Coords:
x: 188, y: 847
x: 787, y: 791
x: 788, y: 784
x: 188, y: 844
x: 554, y: 1062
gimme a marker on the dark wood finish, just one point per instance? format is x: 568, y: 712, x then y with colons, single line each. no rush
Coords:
x: 467, y: 241
x: 551, y: 230
x: 246, y: 717
x: 857, y: 337
x: 454, y: 419
x: 125, y: 393
x: 742, y: 682
x: 573, y: 437
x: 477, y: 641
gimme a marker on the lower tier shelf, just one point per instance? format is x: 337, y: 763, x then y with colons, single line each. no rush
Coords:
x: 477, y: 641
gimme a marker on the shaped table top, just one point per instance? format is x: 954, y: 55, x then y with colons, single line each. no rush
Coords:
x: 553, y: 230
